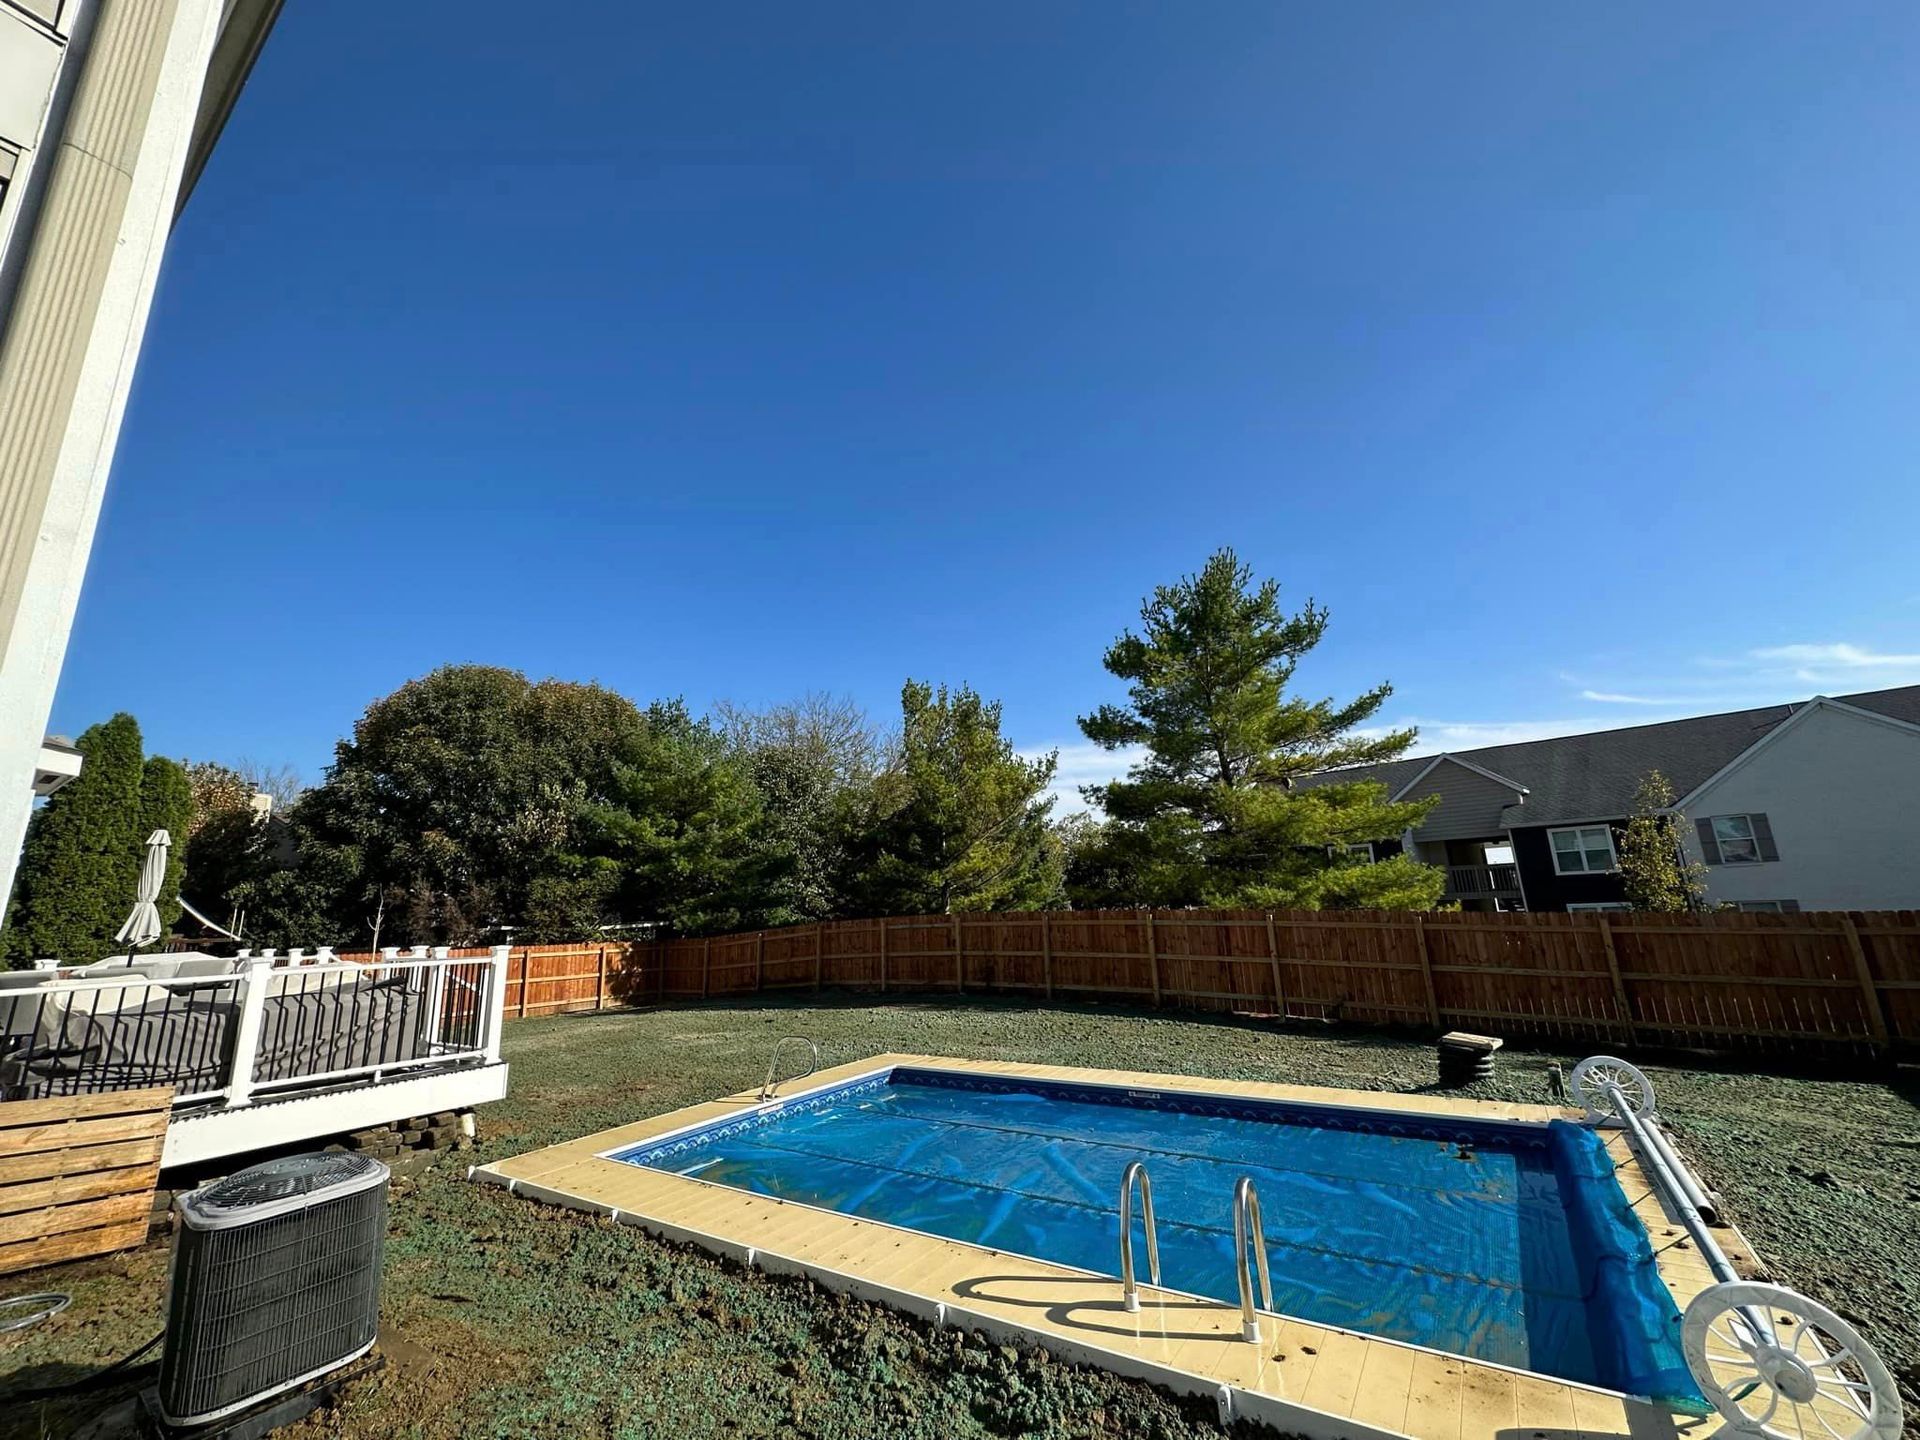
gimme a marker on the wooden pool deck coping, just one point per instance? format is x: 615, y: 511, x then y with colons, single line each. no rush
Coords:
x: 1303, y: 1378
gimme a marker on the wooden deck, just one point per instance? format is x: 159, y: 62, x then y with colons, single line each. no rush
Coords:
x: 1307, y: 1379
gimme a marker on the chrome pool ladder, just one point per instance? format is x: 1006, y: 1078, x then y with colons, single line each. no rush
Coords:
x: 770, y: 1085
x: 1129, y: 1288
x: 1247, y: 1232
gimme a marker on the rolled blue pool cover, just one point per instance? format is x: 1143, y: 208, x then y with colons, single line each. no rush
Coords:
x: 1632, y: 1325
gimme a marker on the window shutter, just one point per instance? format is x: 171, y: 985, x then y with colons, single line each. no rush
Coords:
x: 1789, y: 907
x: 1763, y: 837
x: 1709, y: 847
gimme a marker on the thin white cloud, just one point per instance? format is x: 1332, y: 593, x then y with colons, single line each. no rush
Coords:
x: 1441, y: 735
x: 1615, y: 697
x: 1841, y: 657
x: 1082, y: 763
x: 1764, y: 675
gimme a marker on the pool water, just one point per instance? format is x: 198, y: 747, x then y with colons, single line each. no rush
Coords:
x: 1507, y: 1243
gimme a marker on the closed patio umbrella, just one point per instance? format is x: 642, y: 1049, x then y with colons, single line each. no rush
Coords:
x: 143, y: 925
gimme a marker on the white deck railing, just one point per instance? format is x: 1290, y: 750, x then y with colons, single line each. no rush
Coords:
x: 265, y: 1029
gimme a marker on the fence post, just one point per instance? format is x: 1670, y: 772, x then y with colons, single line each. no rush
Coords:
x: 1153, y: 959
x: 1620, y: 1000
x: 882, y: 923
x: 526, y: 963
x: 819, y: 953
x: 1869, y: 992
x: 1273, y: 956
x: 494, y: 1018
x: 1426, y: 970
x: 1046, y: 950
x: 600, y: 981
x: 706, y: 966
x: 252, y: 1006
x: 759, y: 961
x: 959, y: 957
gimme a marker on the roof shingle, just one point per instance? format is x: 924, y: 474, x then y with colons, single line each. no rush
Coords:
x: 1593, y: 776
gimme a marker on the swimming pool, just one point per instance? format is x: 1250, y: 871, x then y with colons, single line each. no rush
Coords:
x: 1508, y: 1243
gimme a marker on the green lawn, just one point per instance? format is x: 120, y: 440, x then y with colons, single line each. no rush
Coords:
x: 505, y: 1318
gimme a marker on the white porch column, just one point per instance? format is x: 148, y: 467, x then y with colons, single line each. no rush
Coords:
x: 248, y: 1012
x: 72, y: 337
x: 495, y: 1018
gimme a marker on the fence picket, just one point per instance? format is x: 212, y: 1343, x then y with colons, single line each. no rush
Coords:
x: 1845, y: 983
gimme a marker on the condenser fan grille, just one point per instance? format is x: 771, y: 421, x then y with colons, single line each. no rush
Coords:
x: 304, y: 1177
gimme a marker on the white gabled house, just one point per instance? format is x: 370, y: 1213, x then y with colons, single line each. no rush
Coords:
x: 1806, y: 806
x: 1823, y: 809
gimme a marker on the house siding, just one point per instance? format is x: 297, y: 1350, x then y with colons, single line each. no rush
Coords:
x: 1547, y: 890
x: 1842, y: 793
x: 1470, y: 804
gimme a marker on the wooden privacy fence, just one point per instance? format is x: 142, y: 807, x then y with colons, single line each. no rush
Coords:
x: 550, y: 979
x: 1834, y: 982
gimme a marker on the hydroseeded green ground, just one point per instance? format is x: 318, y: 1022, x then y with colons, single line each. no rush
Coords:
x: 505, y: 1318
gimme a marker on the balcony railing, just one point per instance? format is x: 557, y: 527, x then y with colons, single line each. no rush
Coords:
x: 259, y: 1030
x: 1465, y: 882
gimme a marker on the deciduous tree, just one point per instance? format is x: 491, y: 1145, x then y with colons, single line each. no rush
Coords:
x: 459, y: 794
x: 813, y: 761
x: 1655, y: 869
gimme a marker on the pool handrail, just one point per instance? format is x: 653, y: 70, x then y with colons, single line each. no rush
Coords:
x: 1129, y: 1287
x: 1246, y: 1229
x: 770, y: 1086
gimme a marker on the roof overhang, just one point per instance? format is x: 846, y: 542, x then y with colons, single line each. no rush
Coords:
x: 56, y: 765
x: 244, y: 27
x: 1800, y: 713
x: 1427, y: 769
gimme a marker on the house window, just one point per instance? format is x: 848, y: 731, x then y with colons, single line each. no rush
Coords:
x: 1361, y: 854
x: 1734, y: 836
x: 1582, y: 850
x: 1598, y: 905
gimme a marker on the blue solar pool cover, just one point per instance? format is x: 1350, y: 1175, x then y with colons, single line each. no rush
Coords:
x: 1508, y: 1243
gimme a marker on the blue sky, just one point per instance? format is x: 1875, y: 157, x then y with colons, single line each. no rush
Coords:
x: 1568, y: 354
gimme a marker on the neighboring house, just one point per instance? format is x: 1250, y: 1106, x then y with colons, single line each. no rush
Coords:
x: 1809, y: 806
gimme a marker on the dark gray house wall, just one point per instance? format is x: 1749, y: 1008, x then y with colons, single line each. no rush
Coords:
x: 1548, y: 891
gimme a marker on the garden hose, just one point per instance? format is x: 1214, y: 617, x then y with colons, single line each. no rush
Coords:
x: 35, y: 1308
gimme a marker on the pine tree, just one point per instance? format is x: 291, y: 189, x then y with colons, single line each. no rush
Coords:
x: 1655, y: 869
x: 1211, y: 816
x: 81, y: 863
x: 166, y: 803
x: 680, y: 842
x: 959, y: 821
